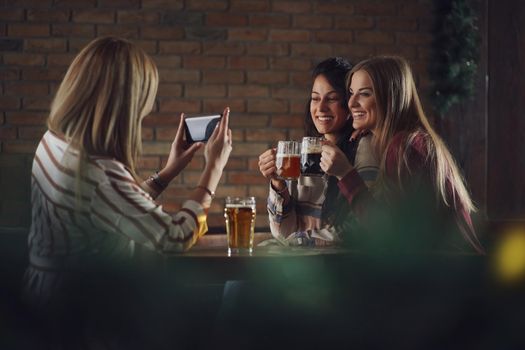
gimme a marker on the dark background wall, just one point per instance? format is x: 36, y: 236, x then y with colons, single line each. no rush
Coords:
x: 253, y: 55
x: 506, y: 106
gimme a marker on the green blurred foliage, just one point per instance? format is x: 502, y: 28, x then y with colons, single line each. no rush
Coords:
x: 454, y: 64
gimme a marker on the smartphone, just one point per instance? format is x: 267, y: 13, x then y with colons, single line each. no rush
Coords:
x: 200, y: 128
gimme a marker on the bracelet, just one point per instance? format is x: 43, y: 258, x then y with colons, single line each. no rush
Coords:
x: 211, y: 193
x: 157, y: 181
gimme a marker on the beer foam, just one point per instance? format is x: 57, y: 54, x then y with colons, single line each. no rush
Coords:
x: 309, y: 148
x: 288, y: 155
x: 241, y: 206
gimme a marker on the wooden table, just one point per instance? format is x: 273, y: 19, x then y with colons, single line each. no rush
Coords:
x: 209, y: 262
x: 216, y: 245
x: 329, y: 297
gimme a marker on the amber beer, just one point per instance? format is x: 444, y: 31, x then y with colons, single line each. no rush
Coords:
x: 239, y: 213
x: 289, y: 166
x: 288, y: 160
x: 311, y: 149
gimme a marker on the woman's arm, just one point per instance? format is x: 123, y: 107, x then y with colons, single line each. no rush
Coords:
x: 281, y: 212
x: 405, y: 163
x: 122, y: 207
x: 366, y: 162
x: 181, y: 153
x: 281, y: 205
x: 216, y: 152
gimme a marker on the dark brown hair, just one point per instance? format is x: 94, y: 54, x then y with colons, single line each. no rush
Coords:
x: 334, y: 69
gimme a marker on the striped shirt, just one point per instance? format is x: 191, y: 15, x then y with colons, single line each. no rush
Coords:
x: 104, y: 212
x: 300, y: 218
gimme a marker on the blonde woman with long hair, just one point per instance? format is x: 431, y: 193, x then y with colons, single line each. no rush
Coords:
x: 414, y: 160
x: 88, y: 203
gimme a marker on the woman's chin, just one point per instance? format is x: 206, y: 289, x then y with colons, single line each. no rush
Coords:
x: 357, y: 125
x: 326, y: 129
x: 324, y: 132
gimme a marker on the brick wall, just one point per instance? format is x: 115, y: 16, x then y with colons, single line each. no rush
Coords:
x: 252, y: 55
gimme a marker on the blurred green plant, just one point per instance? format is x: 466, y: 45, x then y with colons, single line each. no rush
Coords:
x: 454, y: 64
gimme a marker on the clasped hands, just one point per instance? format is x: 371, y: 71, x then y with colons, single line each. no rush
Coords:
x: 333, y: 162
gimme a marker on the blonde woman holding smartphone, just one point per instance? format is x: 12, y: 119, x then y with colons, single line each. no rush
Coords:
x: 89, y: 205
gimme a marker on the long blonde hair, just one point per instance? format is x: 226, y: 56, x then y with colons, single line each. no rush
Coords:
x: 98, y: 108
x: 399, y: 109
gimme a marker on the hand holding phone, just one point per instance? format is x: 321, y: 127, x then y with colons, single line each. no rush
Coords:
x: 219, y: 146
x: 199, y: 129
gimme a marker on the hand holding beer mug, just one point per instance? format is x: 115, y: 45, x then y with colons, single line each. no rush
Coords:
x: 239, y: 214
x: 311, y: 150
x: 288, y: 160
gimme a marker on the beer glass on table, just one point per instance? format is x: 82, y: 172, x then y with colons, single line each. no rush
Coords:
x: 239, y: 214
x: 311, y: 149
x: 288, y: 160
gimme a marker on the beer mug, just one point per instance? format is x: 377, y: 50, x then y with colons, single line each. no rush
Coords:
x: 311, y: 149
x: 239, y: 214
x: 288, y: 160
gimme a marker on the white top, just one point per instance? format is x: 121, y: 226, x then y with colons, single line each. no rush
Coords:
x: 102, y: 213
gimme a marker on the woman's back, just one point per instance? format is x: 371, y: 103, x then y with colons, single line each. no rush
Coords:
x: 109, y: 212
x: 64, y: 224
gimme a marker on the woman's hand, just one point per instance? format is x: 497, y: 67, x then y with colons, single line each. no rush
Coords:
x: 217, y: 152
x: 219, y: 146
x: 268, y: 168
x: 181, y: 153
x: 334, y: 161
x: 267, y: 164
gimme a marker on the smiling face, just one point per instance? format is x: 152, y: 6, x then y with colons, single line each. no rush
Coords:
x: 362, y: 102
x: 327, y: 110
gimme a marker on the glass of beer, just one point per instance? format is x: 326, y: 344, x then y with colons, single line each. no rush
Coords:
x: 311, y: 149
x: 239, y: 214
x: 288, y: 160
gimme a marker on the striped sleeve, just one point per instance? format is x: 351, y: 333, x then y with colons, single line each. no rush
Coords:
x: 120, y: 205
x: 283, y: 219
